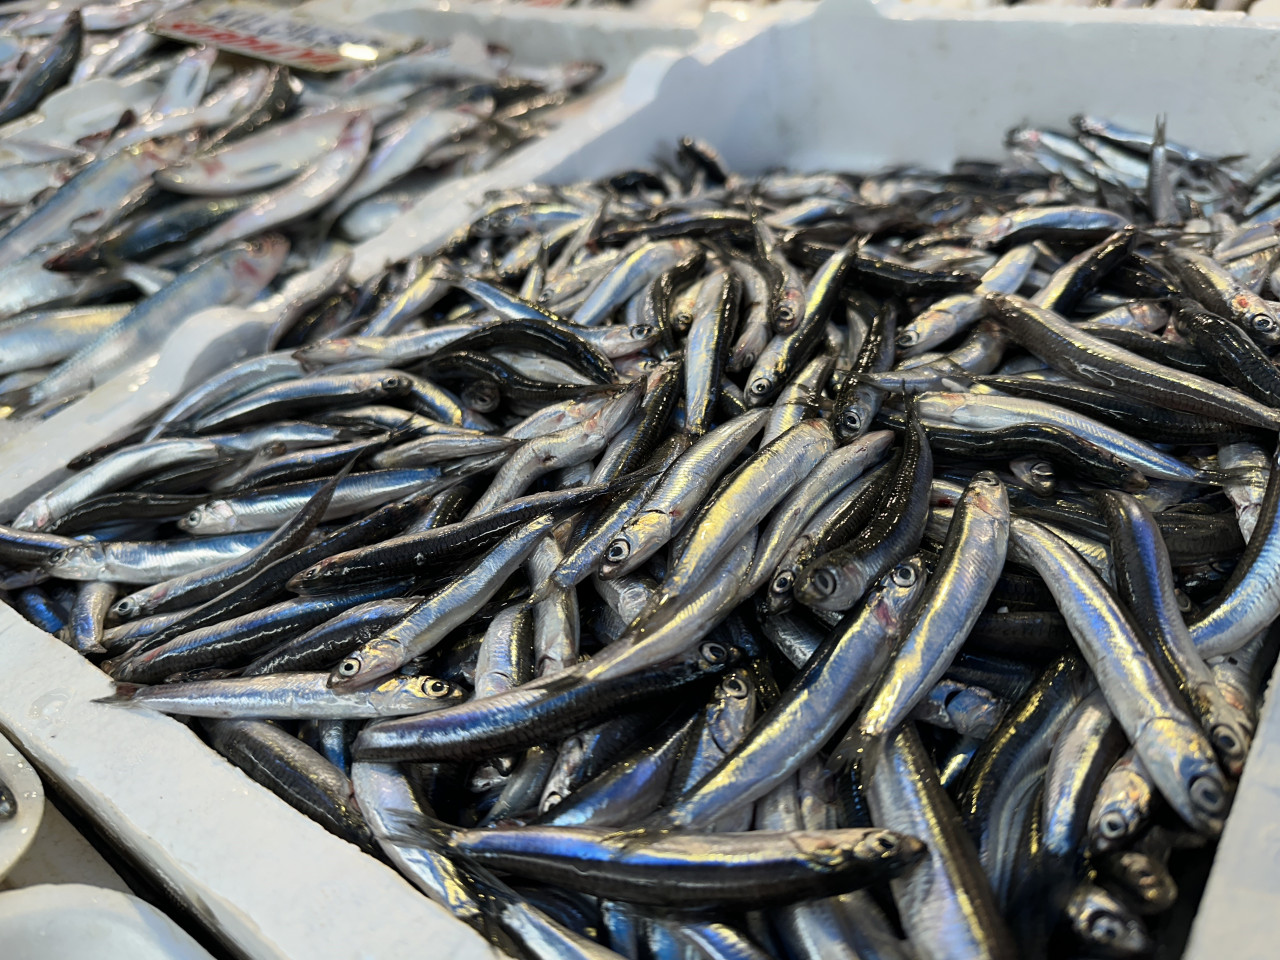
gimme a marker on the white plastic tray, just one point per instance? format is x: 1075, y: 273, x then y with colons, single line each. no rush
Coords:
x: 72, y: 921
x: 270, y: 882
x: 839, y: 84
x: 19, y: 832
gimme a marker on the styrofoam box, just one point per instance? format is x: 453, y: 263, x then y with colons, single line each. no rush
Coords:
x: 840, y: 84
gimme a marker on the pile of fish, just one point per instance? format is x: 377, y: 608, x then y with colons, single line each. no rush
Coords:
x: 692, y: 565
x: 1226, y: 5
x: 120, y: 221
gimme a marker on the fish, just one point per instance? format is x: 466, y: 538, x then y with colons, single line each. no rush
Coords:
x: 660, y: 559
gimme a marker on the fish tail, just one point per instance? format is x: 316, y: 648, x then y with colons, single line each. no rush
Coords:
x: 417, y: 827
x: 125, y: 693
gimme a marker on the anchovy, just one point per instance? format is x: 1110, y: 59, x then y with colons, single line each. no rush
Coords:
x: 821, y: 697
x: 961, y: 585
x: 946, y: 905
x: 1170, y: 743
x: 289, y: 696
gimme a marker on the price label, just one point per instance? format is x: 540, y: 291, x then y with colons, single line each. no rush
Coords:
x: 281, y: 36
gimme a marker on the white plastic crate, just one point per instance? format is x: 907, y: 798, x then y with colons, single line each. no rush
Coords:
x: 840, y: 84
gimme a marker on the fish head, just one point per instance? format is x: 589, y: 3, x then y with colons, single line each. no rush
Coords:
x: 781, y: 593
x: 986, y: 492
x: 35, y: 516
x: 618, y: 408
x: 126, y: 608
x: 482, y: 396
x: 632, y: 339
x: 1036, y: 473
x: 853, y: 421
x: 1146, y: 877
x: 1100, y: 920
x: 713, y: 656
x: 261, y: 260
x: 732, y: 708
x: 830, y: 851
x: 76, y: 563
x: 1230, y: 733
x: 1121, y: 810
x: 377, y: 658
x: 909, y: 337
x: 430, y: 692
x: 639, y: 539
x: 298, y: 582
x: 393, y: 385
x: 896, y: 594
x: 1183, y: 767
x: 216, y: 516
x: 1264, y: 327
x: 830, y: 586
x: 787, y: 309
x: 566, y: 773
x: 760, y: 389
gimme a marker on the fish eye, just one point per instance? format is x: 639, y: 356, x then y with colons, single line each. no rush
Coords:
x: 481, y: 397
x: 884, y: 843
x: 349, y: 667
x: 734, y: 687
x: 1263, y: 323
x: 748, y: 359
x: 124, y: 607
x: 394, y: 383
x: 642, y: 331
x: 786, y: 313
x: 58, y: 557
x: 760, y: 386
x: 904, y: 575
x: 908, y: 338
x: 194, y: 516
x: 432, y: 688
x: 851, y: 420
x: 1105, y: 929
x: 1207, y: 794
x: 783, y: 582
x: 1184, y: 602
x: 985, y: 476
x: 619, y: 550
x: 1042, y: 468
x: 714, y: 652
x: 1225, y: 739
x: 1112, y: 826
x: 824, y: 581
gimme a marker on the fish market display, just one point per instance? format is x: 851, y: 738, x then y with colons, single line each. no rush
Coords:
x: 688, y: 564
x: 195, y: 183
x: 1223, y: 5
